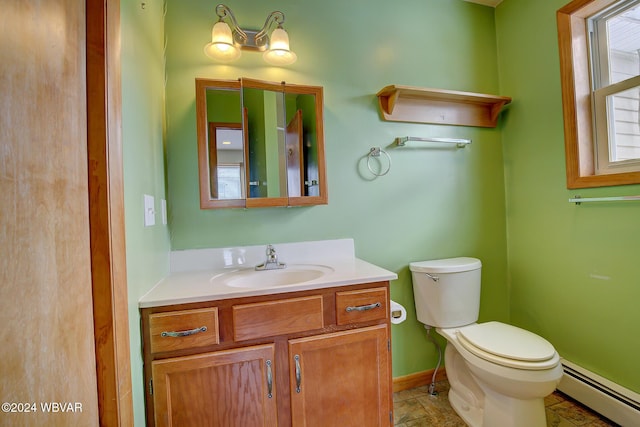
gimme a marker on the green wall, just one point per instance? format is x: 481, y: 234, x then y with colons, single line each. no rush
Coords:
x: 572, y: 275
x: 436, y: 202
x: 574, y: 270
x: 144, y: 165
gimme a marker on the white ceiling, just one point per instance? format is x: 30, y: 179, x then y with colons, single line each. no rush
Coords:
x: 493, y: 3
x: 229, y: 139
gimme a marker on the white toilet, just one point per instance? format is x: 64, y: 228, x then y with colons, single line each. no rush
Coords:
x: 499, y: 374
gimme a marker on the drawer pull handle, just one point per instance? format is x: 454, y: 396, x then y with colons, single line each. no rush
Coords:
x: 363, y: 307
x: 298, y: 373
x: 184, y: 333
x: 269, y: 380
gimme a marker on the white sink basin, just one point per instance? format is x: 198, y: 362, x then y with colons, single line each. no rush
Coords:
x: 293, y: 274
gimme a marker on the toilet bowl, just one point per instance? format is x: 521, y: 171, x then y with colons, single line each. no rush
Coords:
x: 511, y: 396
x: 499, y: 374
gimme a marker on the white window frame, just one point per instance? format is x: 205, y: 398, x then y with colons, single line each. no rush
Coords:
x: 603, y: 119
x: 605, y: 132
x: 239, y: 167
x: 578, y: 100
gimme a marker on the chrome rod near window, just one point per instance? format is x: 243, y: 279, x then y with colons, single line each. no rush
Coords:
x: 460, y: 142
x: 577, y: 199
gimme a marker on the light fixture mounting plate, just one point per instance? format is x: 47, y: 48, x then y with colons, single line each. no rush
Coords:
x: 250, y: 43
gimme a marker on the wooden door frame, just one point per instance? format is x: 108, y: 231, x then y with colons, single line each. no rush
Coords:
x: 106, y: 213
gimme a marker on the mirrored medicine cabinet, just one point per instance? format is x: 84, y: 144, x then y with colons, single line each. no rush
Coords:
x: 260, y: 144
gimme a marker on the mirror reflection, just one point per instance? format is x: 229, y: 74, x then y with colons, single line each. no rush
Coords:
x: 226, y: 152
x: 259, y: 144
x: 302, y: 145
x: 266, y: 141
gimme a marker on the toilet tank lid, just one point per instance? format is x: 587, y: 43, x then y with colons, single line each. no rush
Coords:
x: 449, y: 265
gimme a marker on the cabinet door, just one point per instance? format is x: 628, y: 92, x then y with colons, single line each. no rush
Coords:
x: 341, y: 379
x: 231, y: 388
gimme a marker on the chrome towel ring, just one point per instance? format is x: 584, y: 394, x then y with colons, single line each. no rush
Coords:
x: 375, y: 152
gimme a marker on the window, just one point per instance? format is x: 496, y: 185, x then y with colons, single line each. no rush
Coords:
x: 230, y: 181
x: 599, y: 43
x: 615, y: 47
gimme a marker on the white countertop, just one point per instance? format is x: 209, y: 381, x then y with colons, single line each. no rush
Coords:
x: 187, y: 284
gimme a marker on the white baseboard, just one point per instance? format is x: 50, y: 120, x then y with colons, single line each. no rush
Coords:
x: 613, y: 401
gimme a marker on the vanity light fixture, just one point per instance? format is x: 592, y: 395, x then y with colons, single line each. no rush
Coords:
x: 228, y: 39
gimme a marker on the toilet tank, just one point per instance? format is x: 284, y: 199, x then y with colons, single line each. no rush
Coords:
x: 447, y: 291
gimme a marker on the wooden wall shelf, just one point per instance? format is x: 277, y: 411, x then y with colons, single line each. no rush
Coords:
x: 424, y: 105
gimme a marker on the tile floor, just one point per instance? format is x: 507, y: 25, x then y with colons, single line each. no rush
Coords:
x: 416, y: 408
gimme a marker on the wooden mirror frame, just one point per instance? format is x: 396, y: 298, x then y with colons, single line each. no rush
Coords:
x: 296, y: 199
x: 206, y: 201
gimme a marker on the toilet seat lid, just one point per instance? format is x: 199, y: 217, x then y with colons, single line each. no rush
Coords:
x: 508, y: 345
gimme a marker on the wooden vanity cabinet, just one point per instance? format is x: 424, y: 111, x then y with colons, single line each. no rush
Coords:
x: 310, y: 358
x: 341, y: 379
x: 222, y: 388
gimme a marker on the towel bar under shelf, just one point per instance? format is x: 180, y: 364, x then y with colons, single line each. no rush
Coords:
x: 577, y: 199
x: 460, y: 142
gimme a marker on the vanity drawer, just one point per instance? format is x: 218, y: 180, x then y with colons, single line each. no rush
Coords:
x: 361, y: 305
x: 178, y: 330
x: 271, y: 318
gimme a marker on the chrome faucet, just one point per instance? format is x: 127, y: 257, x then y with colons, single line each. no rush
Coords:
x: 272, y: 261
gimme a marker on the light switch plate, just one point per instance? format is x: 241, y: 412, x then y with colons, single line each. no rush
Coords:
x: 149, y: 211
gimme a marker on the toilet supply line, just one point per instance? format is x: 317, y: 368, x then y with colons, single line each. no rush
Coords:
x: 432, y: 386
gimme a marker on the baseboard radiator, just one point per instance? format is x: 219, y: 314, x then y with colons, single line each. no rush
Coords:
x: 613, y: 401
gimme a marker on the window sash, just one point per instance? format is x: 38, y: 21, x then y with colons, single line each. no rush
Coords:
x: 604, y: 128
x: 605, y: 115
x: 230, y: 181
x: 599, y: 42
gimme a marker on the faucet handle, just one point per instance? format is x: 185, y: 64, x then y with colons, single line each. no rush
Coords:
x: 271, y: 262
x: 271, y: 254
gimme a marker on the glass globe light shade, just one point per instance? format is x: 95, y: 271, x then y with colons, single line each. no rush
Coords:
x: 279, y: 52
x: 221, y: 47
